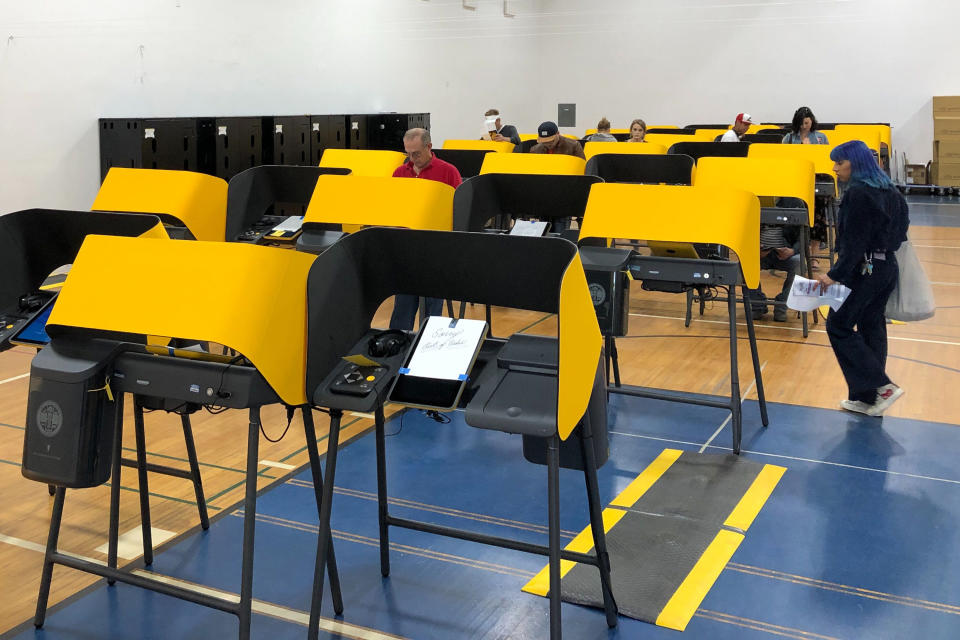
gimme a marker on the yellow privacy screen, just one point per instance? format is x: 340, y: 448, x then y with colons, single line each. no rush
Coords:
x: 579, y: 343
x: 711, y: 215
x: 596, y: 148
x: 382, y: 202
x: 363, y: 162
x: 537, y: 163
x: 249, y: 298
x: 782, y: 177
x: 199, y: 201
x: 481, y: 145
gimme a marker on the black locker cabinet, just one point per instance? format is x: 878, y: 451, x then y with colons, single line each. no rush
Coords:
x: 291, y: 140
x: 120, y: 143
x: 185, y: 144
x: 239, y: 145
x: 327, y: 132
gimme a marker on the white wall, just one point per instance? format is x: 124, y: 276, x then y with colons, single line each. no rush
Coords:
x: 65, y: 63
x: 687, y: 61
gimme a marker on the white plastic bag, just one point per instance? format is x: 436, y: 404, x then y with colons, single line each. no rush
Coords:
x: 912, y: 299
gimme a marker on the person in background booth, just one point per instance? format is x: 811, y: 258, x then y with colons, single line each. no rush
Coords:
x: 501, y: 132
x: 603, y: 132
x: 871, y: 225
x: 638, y: 131
x: 550, y: 141
x: 803, y: 130
x: 421, y: 163
x: 740, y: 126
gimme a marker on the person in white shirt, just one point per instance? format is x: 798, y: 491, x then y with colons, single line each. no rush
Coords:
x: 740, y: 126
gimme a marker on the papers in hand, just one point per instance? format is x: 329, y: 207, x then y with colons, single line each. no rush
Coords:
x: 446, y: 349
x: 805, y: 295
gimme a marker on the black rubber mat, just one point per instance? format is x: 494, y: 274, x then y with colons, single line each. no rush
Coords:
x: 701, y: 486
x: 662, y: 536
x: 649, y: 557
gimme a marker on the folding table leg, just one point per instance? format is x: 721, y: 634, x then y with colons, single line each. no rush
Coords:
x: 616, y: 361
x: 311, y: 437
x: 688, y: 316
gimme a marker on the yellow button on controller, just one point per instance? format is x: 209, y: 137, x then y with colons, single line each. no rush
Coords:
x: 371, y: 378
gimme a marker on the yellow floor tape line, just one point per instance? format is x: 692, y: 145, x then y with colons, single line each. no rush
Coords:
x: 756, y: 496
x: 691, y: 592
x: 539, y: 585
x: 635, y: 490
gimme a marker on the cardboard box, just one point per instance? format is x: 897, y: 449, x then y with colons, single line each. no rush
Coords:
x: 945, y: 174
x: 946, y: 151
x: 946, y: 106
x: 915, y: 173
x: 946, y: 128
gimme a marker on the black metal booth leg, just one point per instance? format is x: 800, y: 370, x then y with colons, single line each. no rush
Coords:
x: 382, y: 511
x: 114, y: 528
x: 47, y: 574
x: 323, y: 534
x: 310, y: 433
x: 249, y: 523
x: 144, y: 487
x: 596, y: 519
x: 195, y: 471
x: 553, y: 519
x: 754, y: 354
x: 735, y: 408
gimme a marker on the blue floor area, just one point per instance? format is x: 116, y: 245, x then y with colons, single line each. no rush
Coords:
x: 858, y: 540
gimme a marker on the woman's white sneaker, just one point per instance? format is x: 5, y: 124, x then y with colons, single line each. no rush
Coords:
x: 886, y: 396
x: 856, y: 406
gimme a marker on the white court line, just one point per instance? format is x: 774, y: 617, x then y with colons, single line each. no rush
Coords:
x: 770, y: 326
x: 947, y: 284
x: 932, y: 246
x: 15, y: 378
x: 743, y: 397
x: 811, y: 460
x: 295, y: 616
x: 278, y: 465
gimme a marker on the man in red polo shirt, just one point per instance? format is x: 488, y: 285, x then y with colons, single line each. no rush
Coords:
x: 421, y: 163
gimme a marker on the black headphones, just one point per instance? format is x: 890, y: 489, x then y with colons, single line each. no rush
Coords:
x: 387, y: 343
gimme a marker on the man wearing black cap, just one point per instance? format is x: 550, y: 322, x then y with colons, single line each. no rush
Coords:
x: 549, y: 140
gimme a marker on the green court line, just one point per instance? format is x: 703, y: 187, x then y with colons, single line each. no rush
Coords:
x: 163, y: 497
x: 15, y: 464
x: 12, y: 426
x: 202, y: 464
x: 530, y: 326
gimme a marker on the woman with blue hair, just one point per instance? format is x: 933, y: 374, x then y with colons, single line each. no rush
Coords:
x: 872, y: 223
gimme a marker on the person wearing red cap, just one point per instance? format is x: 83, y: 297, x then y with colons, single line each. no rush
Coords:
x: 740, y: 126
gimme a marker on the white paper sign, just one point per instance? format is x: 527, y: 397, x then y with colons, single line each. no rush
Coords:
x: 805, y: 295
x: 292, y: 223
x: 528, y: 228
x: 445, y: 352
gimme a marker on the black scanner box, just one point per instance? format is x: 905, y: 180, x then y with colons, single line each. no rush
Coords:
x: 70, y: 422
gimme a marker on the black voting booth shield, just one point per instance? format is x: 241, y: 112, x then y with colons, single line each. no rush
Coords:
x: 642, y: 168
x: 547, y: 197
x: 286, y: 189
